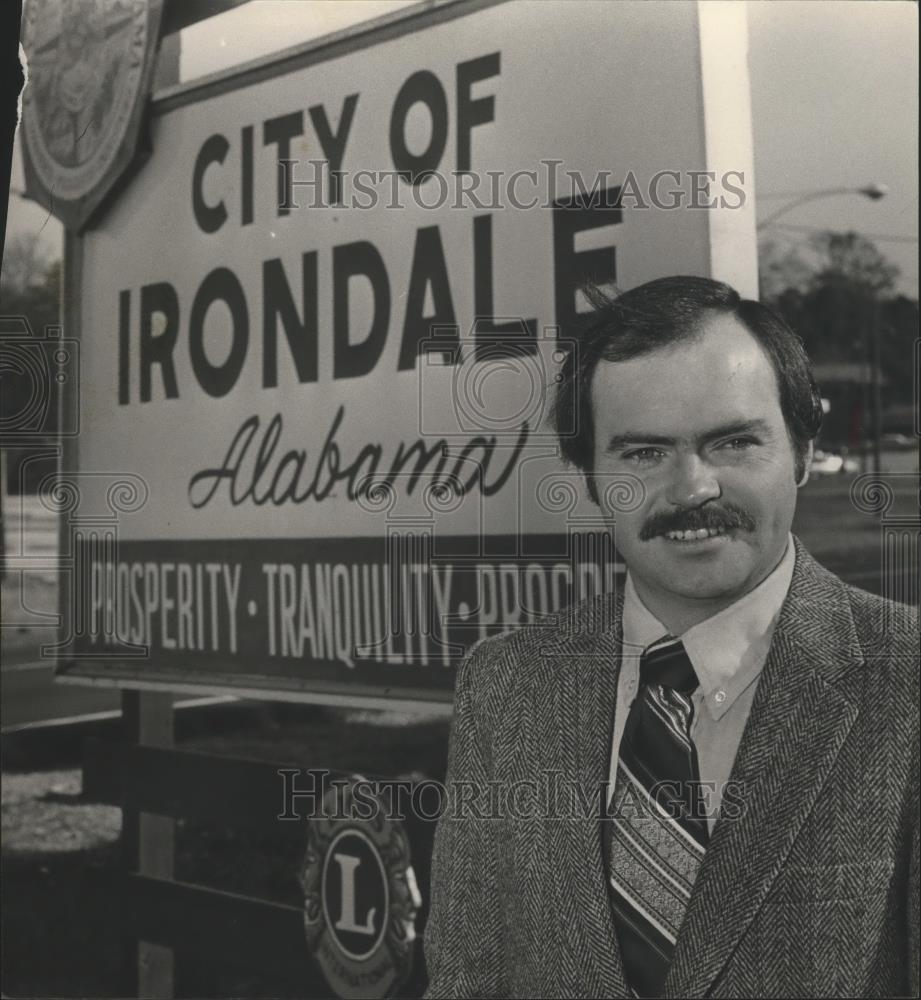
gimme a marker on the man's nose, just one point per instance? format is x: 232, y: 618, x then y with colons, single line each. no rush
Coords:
x: 693, y: 482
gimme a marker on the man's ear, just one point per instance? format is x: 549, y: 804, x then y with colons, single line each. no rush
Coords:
x: 807, y: 463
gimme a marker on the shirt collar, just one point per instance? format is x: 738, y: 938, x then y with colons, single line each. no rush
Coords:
x: 727, y: 650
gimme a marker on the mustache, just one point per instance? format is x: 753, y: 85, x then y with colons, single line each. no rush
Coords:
x: 726, y: 516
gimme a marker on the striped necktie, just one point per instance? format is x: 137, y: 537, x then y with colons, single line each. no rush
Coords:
x: 656, y: 831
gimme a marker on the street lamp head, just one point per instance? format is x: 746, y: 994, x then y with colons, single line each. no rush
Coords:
x: 874, y: 191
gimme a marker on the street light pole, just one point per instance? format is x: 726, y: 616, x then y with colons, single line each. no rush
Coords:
x: 872, y: 191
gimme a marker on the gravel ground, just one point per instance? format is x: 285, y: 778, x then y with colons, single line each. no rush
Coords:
x: 42, y: 814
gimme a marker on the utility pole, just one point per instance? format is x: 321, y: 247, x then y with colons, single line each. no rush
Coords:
x: 866, y: 363
x: 875, y: 374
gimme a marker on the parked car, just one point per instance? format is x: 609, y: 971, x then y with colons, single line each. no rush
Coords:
x: 831, y: 463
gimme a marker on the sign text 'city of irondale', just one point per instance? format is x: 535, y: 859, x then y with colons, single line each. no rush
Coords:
x: 162, y: 339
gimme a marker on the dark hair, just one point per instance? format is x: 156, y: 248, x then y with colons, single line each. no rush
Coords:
x: 660, y: 313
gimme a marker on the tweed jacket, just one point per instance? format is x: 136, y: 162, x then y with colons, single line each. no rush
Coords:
x: 811, y: 890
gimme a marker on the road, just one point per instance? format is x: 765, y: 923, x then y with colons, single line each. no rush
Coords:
x: 32, y: 699
x: 30, y: 694
x: 846, y: 540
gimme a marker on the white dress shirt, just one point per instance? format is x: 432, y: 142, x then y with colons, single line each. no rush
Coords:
x: 728, y: 651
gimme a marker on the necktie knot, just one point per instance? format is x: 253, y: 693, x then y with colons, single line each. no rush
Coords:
x: 668, y: 665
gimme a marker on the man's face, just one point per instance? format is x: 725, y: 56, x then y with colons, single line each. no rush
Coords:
x: 699, y: 424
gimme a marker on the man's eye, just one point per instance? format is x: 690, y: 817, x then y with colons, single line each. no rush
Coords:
x: 642, y: 454
x: 739, y: 443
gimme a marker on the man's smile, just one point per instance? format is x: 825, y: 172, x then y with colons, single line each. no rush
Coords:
x: 697, y: 525
x: 696, y: 536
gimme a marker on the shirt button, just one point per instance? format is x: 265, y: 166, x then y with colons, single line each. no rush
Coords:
x: 720, y: 697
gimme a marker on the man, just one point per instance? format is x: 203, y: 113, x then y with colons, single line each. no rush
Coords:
x: 750, y: 720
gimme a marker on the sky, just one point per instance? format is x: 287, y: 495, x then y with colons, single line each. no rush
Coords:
x: 834, y: 105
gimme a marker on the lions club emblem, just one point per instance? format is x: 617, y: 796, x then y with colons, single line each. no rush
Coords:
x: 360, y: 898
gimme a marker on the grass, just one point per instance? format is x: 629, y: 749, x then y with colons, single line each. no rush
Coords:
x: 26, y: 599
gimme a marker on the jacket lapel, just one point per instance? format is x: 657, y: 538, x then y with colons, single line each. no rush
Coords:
x: 797, y: 726
x: 589, y: 655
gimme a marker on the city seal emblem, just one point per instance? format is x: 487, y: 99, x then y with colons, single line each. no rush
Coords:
x: 90, y: 65
x: 360, y: 894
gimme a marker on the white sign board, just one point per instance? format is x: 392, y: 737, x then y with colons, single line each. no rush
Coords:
x: 323, y: 319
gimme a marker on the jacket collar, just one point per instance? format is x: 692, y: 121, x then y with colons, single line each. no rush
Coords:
x: 798, y: 723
